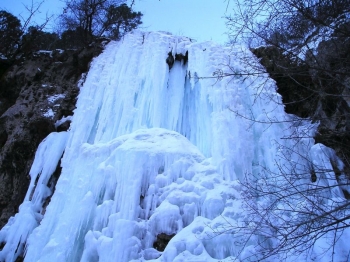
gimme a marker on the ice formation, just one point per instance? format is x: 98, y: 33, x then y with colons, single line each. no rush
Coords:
x: 155, y: 151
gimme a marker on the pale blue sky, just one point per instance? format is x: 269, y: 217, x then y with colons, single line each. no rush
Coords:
x: 199, y: 19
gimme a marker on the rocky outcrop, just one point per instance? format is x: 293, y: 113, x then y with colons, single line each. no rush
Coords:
x: 319, y: 92
x: 36, y: 92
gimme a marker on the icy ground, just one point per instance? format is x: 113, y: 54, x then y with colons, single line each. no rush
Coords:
x: 155, y: 151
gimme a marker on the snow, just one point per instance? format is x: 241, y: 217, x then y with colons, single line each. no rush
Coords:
x: 153, y: 151
x: 54, y: 98
x: 81, y: 80
x: 62, y: 120
x: 49, y: 113
x: 45, y: 52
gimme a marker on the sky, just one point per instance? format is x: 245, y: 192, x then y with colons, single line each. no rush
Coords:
x: 199, y: 19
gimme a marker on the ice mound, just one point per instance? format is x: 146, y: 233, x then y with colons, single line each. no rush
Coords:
x: 121, y: 195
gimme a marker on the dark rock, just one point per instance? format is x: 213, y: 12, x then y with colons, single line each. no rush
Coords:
x: 170, y: 60
x: 181, y: 57
x: 316, y: 94
x: 162, y: 241
x: 178, y: 57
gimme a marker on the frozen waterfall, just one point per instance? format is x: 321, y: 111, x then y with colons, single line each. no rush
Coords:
x: 155, y: 152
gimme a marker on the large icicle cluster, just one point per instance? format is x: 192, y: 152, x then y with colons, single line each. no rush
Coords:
x: 156, y: 153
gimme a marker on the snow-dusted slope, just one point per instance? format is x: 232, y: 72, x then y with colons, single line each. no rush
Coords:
x: 153, y: 152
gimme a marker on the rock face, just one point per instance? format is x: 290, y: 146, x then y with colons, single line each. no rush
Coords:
x: 322, y: 98
x: 36, y: 92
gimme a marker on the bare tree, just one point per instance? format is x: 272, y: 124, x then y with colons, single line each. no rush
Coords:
x: 290, y: 210
x: 32, y: 10
x: 313, y: 34
x: 304, y: 46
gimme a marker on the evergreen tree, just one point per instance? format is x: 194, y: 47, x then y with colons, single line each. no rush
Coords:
x: 120, y: 20
x: 10, y: 33
x: 96, y: 18
x: 36, y: 39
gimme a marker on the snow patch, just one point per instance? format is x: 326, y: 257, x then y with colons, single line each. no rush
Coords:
x: 49, y: 113
x: 63, y: 120
x: 54, y: 98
